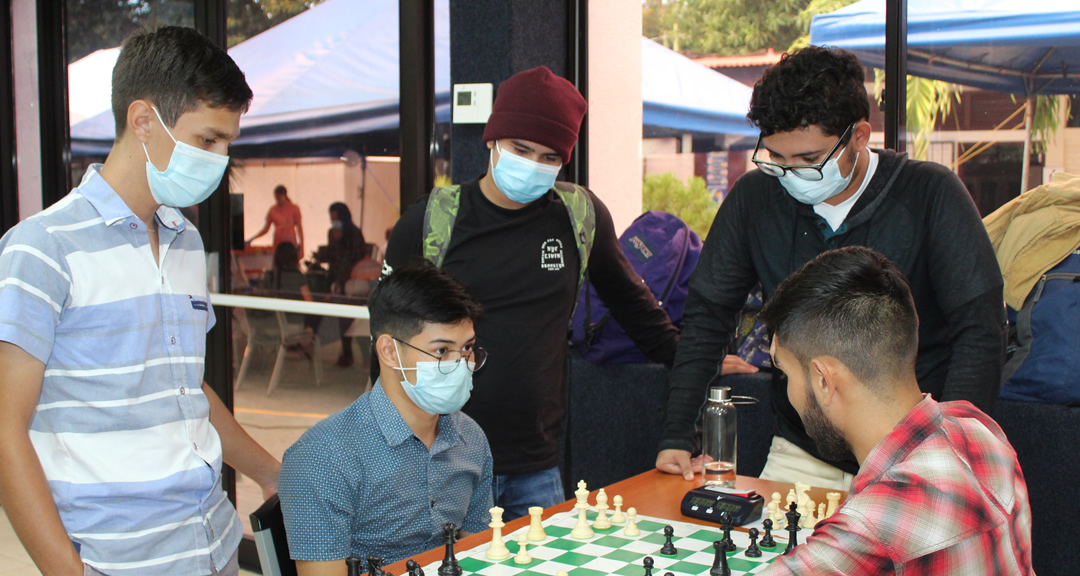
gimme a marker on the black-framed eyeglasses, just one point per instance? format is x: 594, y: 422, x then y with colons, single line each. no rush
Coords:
x: 812, y: 172
x: 474, y: 356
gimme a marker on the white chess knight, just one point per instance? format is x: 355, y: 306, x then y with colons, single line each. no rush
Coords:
x: 497, y: 550
x: 631, y: 523
x: 618, y: 516
x: 582, y: 530
x: 523, y: 550
x: 802, y: 497
x: 601, y: 522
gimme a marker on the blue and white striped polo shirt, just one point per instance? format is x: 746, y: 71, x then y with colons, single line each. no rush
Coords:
x: 122, y: 427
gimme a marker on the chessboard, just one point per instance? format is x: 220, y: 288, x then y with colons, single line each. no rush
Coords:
x: 609, y: 551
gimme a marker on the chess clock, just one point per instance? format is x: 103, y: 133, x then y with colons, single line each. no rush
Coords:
x: 708, y: 502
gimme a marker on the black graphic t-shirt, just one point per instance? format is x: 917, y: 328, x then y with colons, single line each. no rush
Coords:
x: 522, y: 265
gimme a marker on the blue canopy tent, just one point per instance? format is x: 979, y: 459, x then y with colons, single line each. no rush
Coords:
x: 680, y: 94
x: 332, y: 71
x: 1013, y: 46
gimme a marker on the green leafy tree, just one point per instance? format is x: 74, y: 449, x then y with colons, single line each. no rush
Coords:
x: 693, y: 203
x: 724, y: 27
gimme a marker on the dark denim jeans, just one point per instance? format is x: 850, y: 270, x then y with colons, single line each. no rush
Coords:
x: 515, y: 493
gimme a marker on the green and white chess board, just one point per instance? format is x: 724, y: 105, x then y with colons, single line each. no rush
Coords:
x: 611, y: 552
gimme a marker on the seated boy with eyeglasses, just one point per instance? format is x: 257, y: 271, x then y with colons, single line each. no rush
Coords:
x: 382, y: 476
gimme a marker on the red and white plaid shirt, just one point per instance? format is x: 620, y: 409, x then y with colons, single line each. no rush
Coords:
x: 941, y: 494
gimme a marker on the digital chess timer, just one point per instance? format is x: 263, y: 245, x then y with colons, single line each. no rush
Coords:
x: 708, y: 502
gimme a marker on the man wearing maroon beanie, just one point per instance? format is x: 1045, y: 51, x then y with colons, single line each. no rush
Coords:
x: 512, y: 243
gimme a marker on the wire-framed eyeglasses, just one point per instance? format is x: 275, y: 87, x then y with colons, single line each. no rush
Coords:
x: 812, y: 172
x: 474, y: 356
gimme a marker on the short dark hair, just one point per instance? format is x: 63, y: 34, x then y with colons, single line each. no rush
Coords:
x: 176, y: 68
x: 415, y: 295
x: 279, y: 189
x: 852, y: 304
x: 812, y: 86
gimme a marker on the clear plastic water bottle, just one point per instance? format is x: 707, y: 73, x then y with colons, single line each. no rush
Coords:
x: 719, y: 441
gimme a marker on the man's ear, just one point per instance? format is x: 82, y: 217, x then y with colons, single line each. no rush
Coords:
x: 384, y: 347
x: 490, y: 144
x: 860, y: 134
x: 138, y: 120
x: 824, y: 378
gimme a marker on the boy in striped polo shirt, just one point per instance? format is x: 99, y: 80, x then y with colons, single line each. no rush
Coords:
x: 113, y: 445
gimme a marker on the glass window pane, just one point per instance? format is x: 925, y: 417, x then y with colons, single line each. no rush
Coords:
x: 990, y: 92
x: 315, y: 187
x: 95, y: 31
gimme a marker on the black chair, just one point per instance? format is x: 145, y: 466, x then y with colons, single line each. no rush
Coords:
x: 1046, y: 438
x: 273, y: 545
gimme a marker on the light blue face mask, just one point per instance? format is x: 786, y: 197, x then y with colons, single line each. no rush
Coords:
x: 815, y: 192
x: 435, y: 392
x: 521, y: 179
x: 192, y: 175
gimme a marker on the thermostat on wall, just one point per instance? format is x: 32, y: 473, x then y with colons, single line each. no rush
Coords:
x: 472, y: 103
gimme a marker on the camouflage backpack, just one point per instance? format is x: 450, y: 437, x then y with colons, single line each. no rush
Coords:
x: 442, y: 210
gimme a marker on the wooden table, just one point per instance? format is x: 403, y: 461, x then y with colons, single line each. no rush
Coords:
x: 652, y: 493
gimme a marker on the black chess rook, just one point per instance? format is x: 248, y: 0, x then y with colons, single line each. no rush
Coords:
x: 719, y: 565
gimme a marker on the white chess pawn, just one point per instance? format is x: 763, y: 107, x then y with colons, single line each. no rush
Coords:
x: 582, y: 530
x: 791, y: 497
x: 617, y: 516
x: 497, y: 550
x: 821, y: 512
x: 536, y: 526
x: 776, y: 510
x: 523, y: 550
x: 562, y: 573
x: 601, y: 522
x: 808, y: 519
x: 631, y: 523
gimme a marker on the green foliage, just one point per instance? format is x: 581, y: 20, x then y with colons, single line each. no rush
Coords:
x: 1051, y: 113
x: 724, y: 27
x: 928, y: 102
x: 249, y: 18
x: 692, y: 203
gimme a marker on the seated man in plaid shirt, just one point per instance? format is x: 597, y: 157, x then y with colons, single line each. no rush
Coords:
x: 939, y: 490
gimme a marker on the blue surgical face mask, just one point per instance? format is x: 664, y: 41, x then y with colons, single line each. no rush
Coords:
x: 521, y: 179
x: 435, y: 392
x: 815, y: 192
x: 192, y: 175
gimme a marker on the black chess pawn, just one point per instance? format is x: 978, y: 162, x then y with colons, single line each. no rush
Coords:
x: 726, y: 523
x: 449, y: 566
x: 648, y: 564
x: 414, y: 568
x: 753, y: 551
x: 354, y: 565
x: 669, y: 547
x: 719, y: 564
x: 767, y: 540
x: 792, y: 516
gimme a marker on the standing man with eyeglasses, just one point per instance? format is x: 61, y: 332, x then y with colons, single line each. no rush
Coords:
x: 818, y: 187
x: 382, y: 476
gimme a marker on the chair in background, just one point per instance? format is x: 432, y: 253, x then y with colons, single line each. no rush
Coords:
x: 268, y: 526
x: 280, y: 329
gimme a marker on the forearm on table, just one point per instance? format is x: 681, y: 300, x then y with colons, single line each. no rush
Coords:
x: 29, y: 504
x: 239, y: 449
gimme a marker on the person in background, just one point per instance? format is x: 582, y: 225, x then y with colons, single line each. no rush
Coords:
x: 284, y: 216
x: 345, y: 247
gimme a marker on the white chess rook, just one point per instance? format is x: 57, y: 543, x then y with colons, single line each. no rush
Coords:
x: 497, y: 550
x: 536, y: 525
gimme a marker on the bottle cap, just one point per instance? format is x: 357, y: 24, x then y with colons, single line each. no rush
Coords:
x: 720, y: 394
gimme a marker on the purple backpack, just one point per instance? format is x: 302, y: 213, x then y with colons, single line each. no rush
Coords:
x: 664, y: 251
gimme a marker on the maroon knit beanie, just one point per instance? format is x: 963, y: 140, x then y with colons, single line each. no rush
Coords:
x: 538, y: 106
